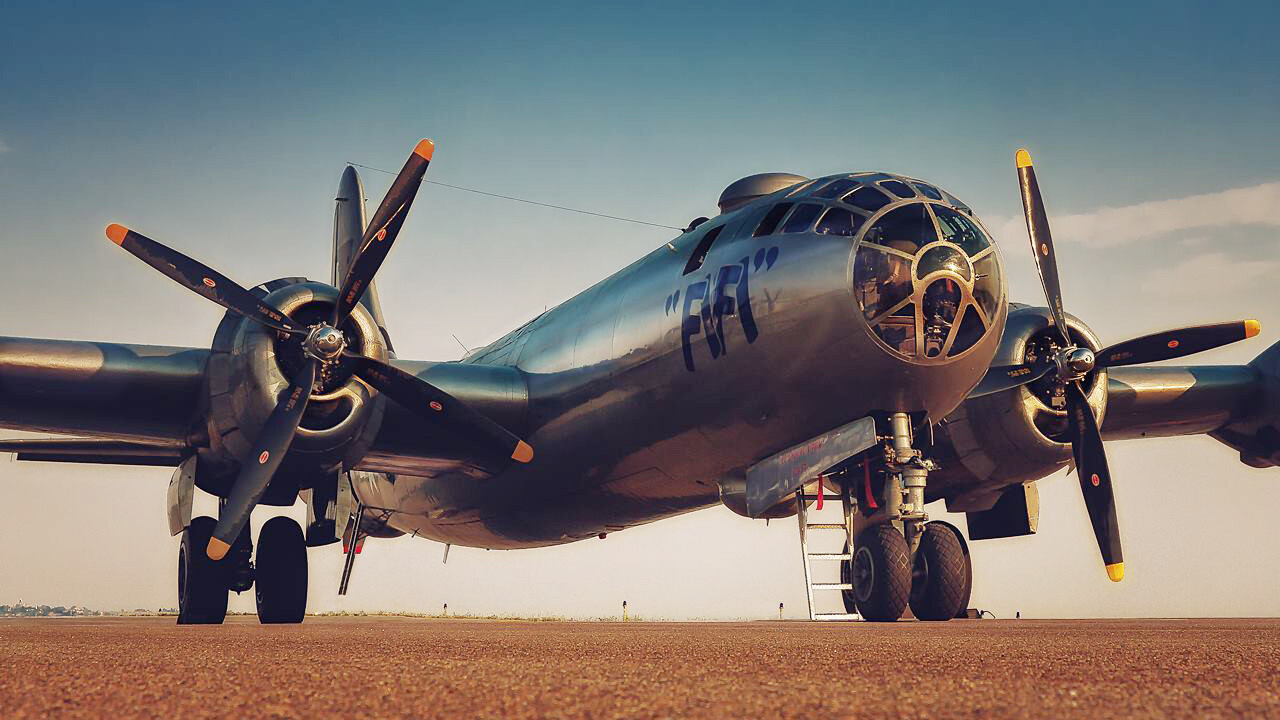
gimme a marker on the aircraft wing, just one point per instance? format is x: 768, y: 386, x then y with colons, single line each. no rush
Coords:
x: 148, y: 405
x: 141, y: 394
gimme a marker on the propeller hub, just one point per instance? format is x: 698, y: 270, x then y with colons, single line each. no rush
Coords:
x: 1080, y: 361
x: 325, y: 343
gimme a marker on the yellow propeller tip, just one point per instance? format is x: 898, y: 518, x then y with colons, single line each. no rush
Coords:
x: 1251, y: 328
x: 116, y: 233
x: 1115, y: 571
x: 217, y: 549
x: 425, y: 149
x: 523, y: 452
x: 1023, y: 158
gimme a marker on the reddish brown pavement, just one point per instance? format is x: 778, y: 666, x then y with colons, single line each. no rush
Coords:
x: 407, y: 667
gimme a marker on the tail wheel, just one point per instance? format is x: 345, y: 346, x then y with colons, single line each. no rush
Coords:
x: 881, y: 573
x: 940, y: 575
x: 280, y: 583
x: 202, y: 585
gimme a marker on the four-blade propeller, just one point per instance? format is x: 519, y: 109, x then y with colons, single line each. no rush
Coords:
x: 1070, y: 364
x: 322, y: 344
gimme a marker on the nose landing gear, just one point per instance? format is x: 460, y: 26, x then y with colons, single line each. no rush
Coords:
x: 899, y: 558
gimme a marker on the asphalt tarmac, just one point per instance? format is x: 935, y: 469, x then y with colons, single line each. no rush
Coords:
x: 408, y: 667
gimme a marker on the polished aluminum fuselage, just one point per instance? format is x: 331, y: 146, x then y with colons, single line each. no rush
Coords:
x: 626, y: 433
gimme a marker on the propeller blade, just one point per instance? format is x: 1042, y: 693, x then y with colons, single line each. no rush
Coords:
x: 256, y: 470
x: 201, y: 279
x: 1095, y: 479
x: 1004, y: 377
x: 1177, y: 343
x: 382, y: 230
x: 1041, y: 239
x: 435, y: 404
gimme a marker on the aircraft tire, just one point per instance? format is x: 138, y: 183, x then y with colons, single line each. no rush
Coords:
x: 202, y: 585
x: 940, y: 575
x: 881, y: 573
x: 280, y: 573
x: 846, y: 576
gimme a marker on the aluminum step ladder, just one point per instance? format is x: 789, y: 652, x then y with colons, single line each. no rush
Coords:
x: 829, y: 562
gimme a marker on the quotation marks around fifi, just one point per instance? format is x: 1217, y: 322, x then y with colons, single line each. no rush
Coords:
x: 766, y: 258
x: 762, y: 262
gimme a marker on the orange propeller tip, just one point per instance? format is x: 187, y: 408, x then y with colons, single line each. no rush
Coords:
x: 1251, y: 328
x: 425, y: 149
x: 523, y: 452
x: 116, y: 233
x: 1023, y: 158
x: 1115, y: 571
x: 217, y: 549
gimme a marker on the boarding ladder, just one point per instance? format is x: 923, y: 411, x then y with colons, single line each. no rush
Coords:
x: 827, y: 562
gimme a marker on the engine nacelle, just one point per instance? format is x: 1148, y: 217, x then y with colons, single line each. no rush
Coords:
x: 248, y: 369
x: 992, y: 442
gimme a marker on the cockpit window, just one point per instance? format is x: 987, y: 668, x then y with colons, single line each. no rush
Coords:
x: 941, y: 303
x: 928, y: 191
x: 801, y: 218
x: 868, y: 198
x: 899, y: 188
x: 941, y: 258
x: 927, y: 280
x: 960, y: 230
x: 771, y: 220
x: 700, y: 252
x: 882, y: 281
x: 838, y: 221
x: 836, y: 188
x: 906, y: 229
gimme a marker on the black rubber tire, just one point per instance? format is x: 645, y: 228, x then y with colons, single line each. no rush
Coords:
x: 940, y: 577
x: 202, y: 585
x: 881, y: 573
x: 280, y: 572
x: 846, y: 576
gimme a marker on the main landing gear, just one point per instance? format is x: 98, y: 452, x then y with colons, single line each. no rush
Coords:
x: 279, y: 578
x: 898, y: 557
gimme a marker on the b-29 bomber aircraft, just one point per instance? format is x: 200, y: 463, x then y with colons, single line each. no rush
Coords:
x: 844, y: 338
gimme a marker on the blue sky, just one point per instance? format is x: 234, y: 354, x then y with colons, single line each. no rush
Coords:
x: 223, y: 131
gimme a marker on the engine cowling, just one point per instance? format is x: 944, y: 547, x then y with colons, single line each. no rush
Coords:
x: 992, y: 442
x: 248, y: 368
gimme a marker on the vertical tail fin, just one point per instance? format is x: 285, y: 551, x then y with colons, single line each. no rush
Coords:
x: 348, y: 229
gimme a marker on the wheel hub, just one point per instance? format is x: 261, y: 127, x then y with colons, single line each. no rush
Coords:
x: 864, y: 574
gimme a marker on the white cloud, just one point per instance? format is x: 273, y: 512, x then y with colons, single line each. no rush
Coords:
x: 4, y: 147
x: 1211, y: 270
x: 1112, y: 226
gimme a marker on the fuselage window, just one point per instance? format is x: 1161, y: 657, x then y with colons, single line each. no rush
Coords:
x: 868, y: 199
x: 898, y: 188
x: 838, y: 221
x: 836, y: 188
x: 700, y: 252
x: 771, y: 220
x: 802, y: 218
